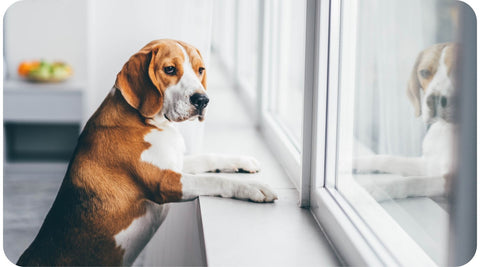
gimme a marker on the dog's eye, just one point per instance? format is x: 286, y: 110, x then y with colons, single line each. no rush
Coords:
x: 200, y: 70
x: 425, y: 73
x: 170, y: 70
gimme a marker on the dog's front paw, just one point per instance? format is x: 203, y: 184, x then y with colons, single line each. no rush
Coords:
x: 255, y: 192
x: 245, y: 164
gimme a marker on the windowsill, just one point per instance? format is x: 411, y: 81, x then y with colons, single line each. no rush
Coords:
x: 239, y: 233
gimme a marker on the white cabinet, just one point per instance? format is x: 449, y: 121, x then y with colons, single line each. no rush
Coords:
x: 26, y: 102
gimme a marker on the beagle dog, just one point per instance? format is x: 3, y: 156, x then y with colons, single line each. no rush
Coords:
x: 431, y: 90
x: 130, y: 158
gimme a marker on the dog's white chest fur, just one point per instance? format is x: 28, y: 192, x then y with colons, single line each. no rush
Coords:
x: 167, y: 148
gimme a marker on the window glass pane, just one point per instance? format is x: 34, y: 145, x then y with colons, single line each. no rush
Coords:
x: 287, y: 66
x: 396, y: 124
x: 247, y: 45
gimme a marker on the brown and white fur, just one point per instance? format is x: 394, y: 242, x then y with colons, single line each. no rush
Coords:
x: 130, y: 158
x: 431, y: 90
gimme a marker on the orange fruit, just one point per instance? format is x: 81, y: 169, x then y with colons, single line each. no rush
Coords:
x: 26, y: 66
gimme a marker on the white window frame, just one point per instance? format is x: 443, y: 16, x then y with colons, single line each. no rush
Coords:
x: 352, y: 235
x: 277, y: 138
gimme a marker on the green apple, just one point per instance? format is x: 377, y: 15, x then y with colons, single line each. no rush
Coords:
x: 43, y: 72
x: 60, y: 71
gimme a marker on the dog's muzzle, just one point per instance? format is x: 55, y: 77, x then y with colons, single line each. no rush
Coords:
x: 436, y: 103
x: 440, y: 107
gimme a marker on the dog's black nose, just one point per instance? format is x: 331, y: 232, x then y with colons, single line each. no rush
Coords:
x: 199, y: 101
x: 443, y: 101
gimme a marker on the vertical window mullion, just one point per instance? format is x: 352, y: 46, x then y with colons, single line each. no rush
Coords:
x: 261, y: 59
x: 236, y: 26
x: 332, y: 94
x: 266, y: 77
x: 310, y: 102
x: 323, y: 21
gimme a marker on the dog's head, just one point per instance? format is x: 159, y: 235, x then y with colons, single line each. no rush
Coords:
x: 165, y: 78
x: 432, y: 85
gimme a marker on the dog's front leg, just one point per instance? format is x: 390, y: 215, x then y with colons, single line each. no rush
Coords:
x: 165, y: 186
x: 219, y: 163
x: 398, y: 187
x: 194, y: 186
x: 407, y: 166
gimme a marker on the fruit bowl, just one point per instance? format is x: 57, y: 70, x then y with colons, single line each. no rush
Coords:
x: 44, y: 72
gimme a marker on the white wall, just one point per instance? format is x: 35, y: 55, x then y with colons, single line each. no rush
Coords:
x: 49, y: 29
x: 179, y: 240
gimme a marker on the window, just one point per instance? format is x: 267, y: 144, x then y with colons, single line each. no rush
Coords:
x: 285, y: 101
x: 377, y: 176
x: 247, y: 51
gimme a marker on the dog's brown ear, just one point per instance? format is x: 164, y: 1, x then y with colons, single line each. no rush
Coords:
x: 413, y: 90
x: 204, y: 79
x: 136, y: 81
